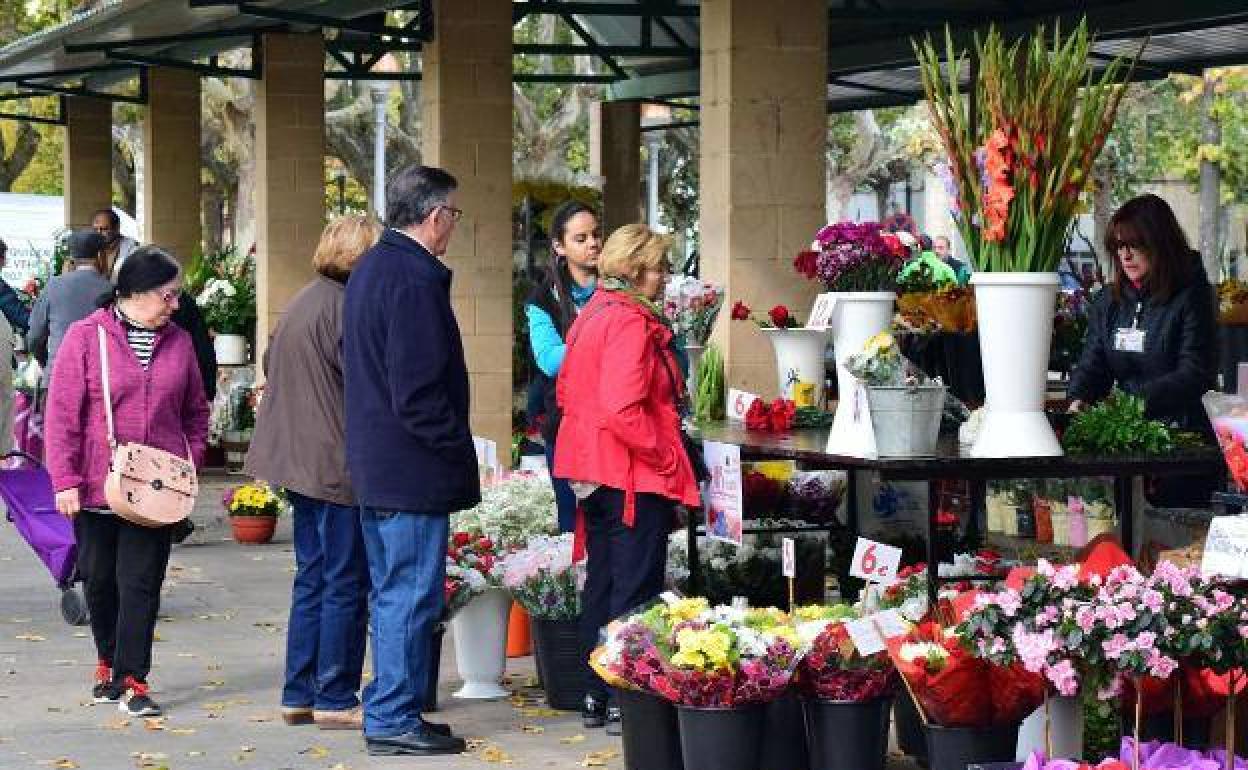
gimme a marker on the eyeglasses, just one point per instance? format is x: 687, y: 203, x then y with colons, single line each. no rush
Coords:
x: 456, y: 214
x: 169, y: 296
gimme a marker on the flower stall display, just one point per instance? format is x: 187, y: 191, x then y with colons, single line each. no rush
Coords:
x: 906, y: 406
x: 543, y: 579
x: 1116, y: 426
x: 479, y: 605
x: 926, y: 304
x: 799, y: 351
x: 1019, y: 168
x: 512, y: 511
x: 253, y: 510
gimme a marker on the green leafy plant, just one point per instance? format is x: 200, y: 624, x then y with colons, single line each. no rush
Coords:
x: 1117, y: 426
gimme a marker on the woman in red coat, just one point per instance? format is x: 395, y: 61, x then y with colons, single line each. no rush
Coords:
x: 619, y: 443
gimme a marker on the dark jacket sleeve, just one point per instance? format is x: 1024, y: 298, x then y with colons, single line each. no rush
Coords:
x: 37, y: 335
x: 1196, y: 370
x: 191, y: 320
x: 1092, y: 379
x: 13, y: 307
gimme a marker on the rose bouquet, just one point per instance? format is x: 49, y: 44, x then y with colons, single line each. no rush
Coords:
x: 512, y: 511
x: 543, y: 578
x: 832, y: 668
x: 692, y: 305
x: 472, y: 567
x: 854, y: 256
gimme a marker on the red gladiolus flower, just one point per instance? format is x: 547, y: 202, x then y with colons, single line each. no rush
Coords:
x: 780, y: 317
x: 740, y: 311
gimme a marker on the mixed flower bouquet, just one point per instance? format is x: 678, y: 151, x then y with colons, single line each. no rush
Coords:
x: 832, y: 668
x: 778, y: 317
x: 254, y: 499
x: 854, y: 256
x: 543, y: 578
x: 472, y: 567
x: 512, y: 511
x: 692, y: 305
x: 225, y: 284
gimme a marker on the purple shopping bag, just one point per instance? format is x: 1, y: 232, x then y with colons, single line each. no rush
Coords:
x: 27, y: 492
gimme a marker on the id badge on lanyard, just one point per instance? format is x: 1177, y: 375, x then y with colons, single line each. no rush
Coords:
x: 1131, y: 339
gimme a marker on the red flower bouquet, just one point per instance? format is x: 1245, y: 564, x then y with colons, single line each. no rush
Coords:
x: 776, y: 417
x: 833, y: 670
x: 779, y: 317
x: 472, y: 566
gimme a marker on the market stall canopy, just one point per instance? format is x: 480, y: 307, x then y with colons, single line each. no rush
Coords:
x: 643, y: 49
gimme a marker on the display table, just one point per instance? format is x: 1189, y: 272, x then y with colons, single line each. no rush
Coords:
x: 949, y: 463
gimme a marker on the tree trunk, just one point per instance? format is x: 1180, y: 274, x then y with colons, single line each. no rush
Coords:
x: 1102, y: 206
x: 14, y: 161
x: 1210, y: 180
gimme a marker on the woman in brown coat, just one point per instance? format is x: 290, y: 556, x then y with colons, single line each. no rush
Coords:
x: 298, y: 445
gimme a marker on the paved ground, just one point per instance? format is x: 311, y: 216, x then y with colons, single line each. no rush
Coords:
x: 217, y: 664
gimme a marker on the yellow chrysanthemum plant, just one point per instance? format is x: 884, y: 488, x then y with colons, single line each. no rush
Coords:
x: 254, y: 499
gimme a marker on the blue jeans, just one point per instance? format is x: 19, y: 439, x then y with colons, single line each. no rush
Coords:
x: 328, y: 607
x: 407, y: 563
x: 565, y: 498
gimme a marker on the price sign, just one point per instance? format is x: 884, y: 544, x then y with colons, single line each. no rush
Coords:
x: 821, y: 314
x: 891, y: 624
x: 866, y: 636
x: 788, y: 557
x: 739, y: 403
x: 1226, y: 547
x: 875, y: 562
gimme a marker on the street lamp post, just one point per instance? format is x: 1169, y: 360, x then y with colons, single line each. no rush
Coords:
x: 654, y: 117
x: 381, y: 94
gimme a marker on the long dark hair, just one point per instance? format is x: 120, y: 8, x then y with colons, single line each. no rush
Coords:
x: 148, y: 268
x: 1148, y: 223
x: 557, y: 272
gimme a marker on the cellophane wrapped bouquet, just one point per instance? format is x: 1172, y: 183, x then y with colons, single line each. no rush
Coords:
x: 543, y: 578
x: 472, y: 567
x: 692, y: 305
x: 832, y: 668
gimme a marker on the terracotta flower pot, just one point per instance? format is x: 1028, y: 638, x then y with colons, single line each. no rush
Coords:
x: 519, y: 636
x: 253, y: 529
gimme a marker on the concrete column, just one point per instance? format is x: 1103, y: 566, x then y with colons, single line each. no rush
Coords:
x: 88, y: 158
x: 763, y: 120
x: 615, y: 155
x: 466, y: 95
x: 290, y: 171
x: 171, y: 149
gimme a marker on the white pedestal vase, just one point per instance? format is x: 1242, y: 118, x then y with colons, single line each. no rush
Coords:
x: 231, y: 349
x: 857, y: 317
x: 1015, y: 328
x: 1065, y: 730
x: 480, y: 633
x: 799, y: 356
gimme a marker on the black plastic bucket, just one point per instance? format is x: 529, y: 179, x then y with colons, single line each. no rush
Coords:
x: 784, y: 734
x: 1160, y: 727
x: 953, y: 748
x: 651, y: 731
x: 721, y: 738
x: 847, y: 734
x: 910, y: 736
x: 558, y: 646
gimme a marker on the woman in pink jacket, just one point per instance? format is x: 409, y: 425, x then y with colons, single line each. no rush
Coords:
x: 158, y: 400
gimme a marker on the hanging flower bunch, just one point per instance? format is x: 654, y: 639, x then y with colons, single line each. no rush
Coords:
x: 1020, y: 164
x: 855, y: 256
x: 472, y: 567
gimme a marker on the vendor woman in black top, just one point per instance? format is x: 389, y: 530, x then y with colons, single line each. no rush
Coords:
x: 1151, y: 331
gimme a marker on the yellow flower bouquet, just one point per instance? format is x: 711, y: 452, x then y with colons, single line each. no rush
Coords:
x: 254, y: 499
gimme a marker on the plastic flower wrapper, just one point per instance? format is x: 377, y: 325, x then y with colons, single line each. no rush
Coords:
x: 543, y: 578
x: 908, y: 595
x: 512, y: 511
x: 1155, y: 755
x: 815, y: 496
x: 472, y: 567
x: 691, y: 305
x: 949, y: 683
x: 832, y: 669
x: 880, y: 363
x: 1229, y: 415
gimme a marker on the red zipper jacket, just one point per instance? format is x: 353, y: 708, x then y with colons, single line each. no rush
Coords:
x: 621, y: 424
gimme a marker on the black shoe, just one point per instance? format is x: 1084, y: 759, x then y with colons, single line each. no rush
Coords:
x: 615, y: 722
x: 105, y: 692
x: 594, y: 711
x: 437, y: 729
x: 421, y: 742
x: 136, y: 702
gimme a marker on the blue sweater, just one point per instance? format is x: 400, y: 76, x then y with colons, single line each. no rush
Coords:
x: 548, y: 345
x: 409, y: 445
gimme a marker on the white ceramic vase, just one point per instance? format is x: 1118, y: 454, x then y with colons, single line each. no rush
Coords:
x: 1065, y: 716
x: 231, y: 349
x: 857, y: 316
x: 799, y: 356
x: 1015, y: 328
x: 480, y: 634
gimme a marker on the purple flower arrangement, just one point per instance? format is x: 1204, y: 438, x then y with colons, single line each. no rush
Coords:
x: 854, y: 256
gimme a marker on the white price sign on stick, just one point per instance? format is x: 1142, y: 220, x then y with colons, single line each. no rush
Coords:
x: 1226, y: 547
x: 875, y: 562
x: 865, y: 636
x: 738, y: 404
x: 788, y: 558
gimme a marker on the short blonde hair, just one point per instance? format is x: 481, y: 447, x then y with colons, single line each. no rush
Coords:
x: 631, y: 250
x: 342, y: 243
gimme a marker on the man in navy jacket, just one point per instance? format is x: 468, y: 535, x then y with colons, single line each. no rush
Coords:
x: 409, y: 447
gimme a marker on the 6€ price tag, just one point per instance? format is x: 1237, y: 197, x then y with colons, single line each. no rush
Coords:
x: 788, y: 557
x: 875, y: 562
x: 738, y: 404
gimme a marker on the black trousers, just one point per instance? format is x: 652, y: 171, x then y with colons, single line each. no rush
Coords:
x: 624, y: 565
x: 123, y: 566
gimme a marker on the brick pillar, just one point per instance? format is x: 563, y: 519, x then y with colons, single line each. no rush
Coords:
x: 88, y: 158
x: 290, y: 171
x: 171, y: 148
x: 764, y: 117
x: 467, y: 103
x: 615, y: 155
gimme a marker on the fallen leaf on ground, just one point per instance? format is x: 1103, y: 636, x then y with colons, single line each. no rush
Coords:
x: 80, y: 634
x: 532, y: 729
x: 316, y: 752
x: 32, y: 638
x: 495, y: 755
x: 116, y: 724
x: 572, y: 739
x: 473, y: 744
x: 341, y: 766
x: 64, y: 662
x: 150, y: 759
x: 62, y: 762
x: 154, y: 723
x: 182, y: 731
x: 156, y: 637
x: 599, y: 758
x: 260, y: 718
x: 246, y: 749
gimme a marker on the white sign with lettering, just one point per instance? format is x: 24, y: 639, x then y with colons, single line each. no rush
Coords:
x: 1226, y: 547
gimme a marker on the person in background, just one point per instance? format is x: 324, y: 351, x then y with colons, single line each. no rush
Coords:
x: 68, y: 298
x: 942, y: 247
x: 117, y: 247
x: 619, y: 443
x: 11, y: 305
x: 1153, y: 332
x: 298, y: 445
x: 925, y: 259
x: 189, y: 317
x: 409, y: 448
x: 552, y: 306
x: 158, y: 400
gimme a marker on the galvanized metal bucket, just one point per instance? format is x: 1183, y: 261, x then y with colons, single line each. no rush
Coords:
x: 906, y: 419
